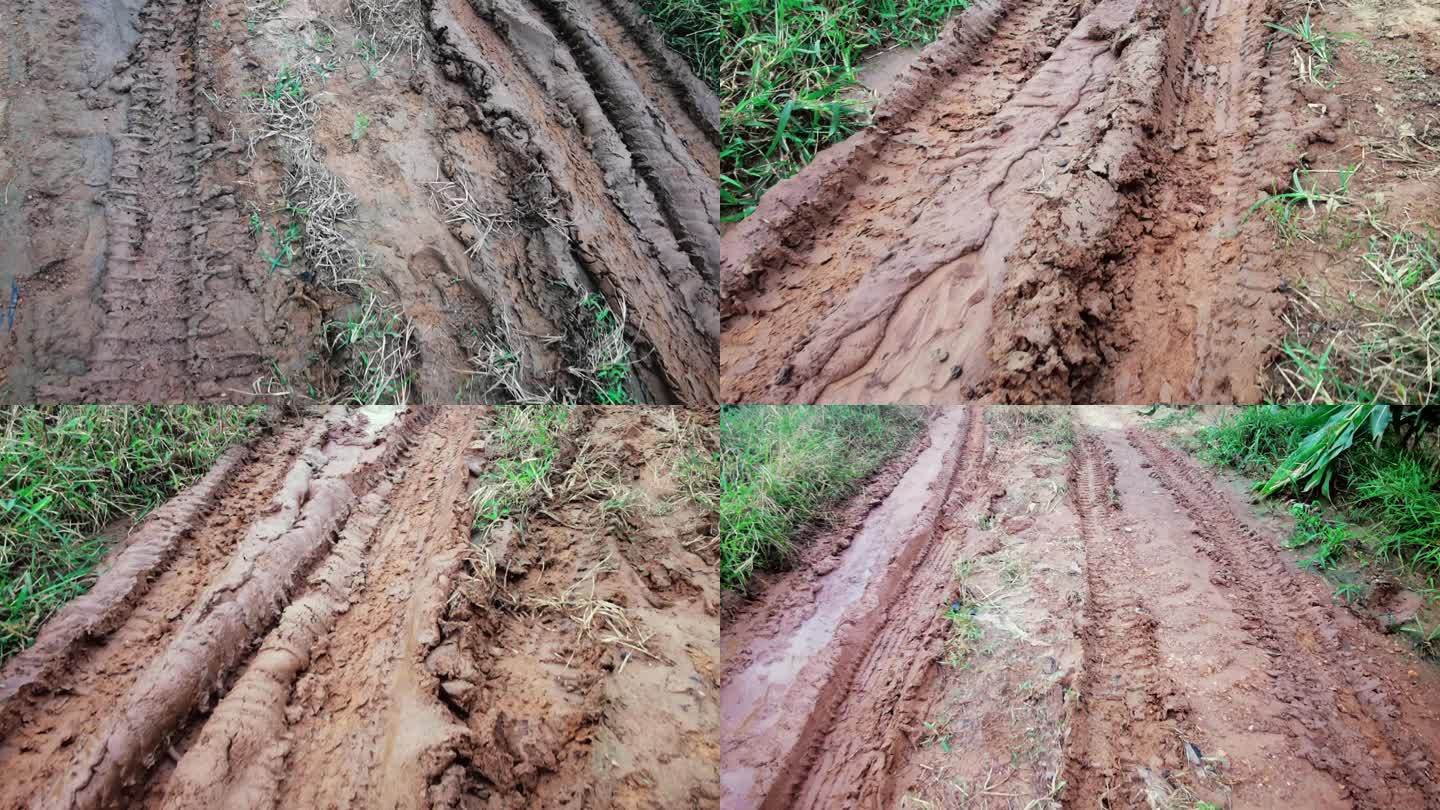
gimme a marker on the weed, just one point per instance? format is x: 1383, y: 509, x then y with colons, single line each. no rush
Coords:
x: 1293, y: 211
x: 68, y: 472
x: 965, y: 631
x: 607, y: 355
x: 360, y: 127
x: 1042, y: 425
x: 377, y: 352
x: 1312, y: 528
x: 1314, y: 52
x: 1426, y: 639
x: 781, y: 465
x: 1351, y: 593
x: 935, y: 734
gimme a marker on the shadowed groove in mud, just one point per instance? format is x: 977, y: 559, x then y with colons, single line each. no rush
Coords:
x: 1379, y: 758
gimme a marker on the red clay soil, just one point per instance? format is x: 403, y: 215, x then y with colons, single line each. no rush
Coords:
x: 1050, y: 207
x: 302, y: 629
x: 130, y: 267
x: 1105, y: 626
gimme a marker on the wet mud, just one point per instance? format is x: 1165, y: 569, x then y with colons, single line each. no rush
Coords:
x: 1106, y: 625
x: 1050, y: 207
x: 493, y: 177
x: 308, y: 626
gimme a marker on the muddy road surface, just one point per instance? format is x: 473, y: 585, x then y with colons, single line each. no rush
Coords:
x: 312, y: 626
x: 1013, y: 624
x: 195, y: 197
x: 1050, y: 207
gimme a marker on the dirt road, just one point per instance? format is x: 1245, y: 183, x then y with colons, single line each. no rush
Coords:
x: 307, y: 627
x: 1107, y: 626
x: 1050, y: 208
x: 486, y: 169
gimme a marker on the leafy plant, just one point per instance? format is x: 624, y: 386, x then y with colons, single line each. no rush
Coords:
x: 360, y: 127
x: 1290, y: 211
x: 1311, y: 463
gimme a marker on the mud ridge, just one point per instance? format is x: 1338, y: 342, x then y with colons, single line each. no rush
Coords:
x: 1342, y: 714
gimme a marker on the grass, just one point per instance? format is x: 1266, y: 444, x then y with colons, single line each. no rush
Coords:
x: 785, y: 72
x: 1314, y: 51
x: 781, y: 466
x: 66, y: 473
x: 523, y: 442
x: 1383, y: 499
x: 376, y: 351
x: 1304, y: 210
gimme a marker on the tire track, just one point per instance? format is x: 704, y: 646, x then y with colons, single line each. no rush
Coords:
x: 857, y: 761
x: 93, y: 732
x: 1128, y: 709
x: 1342, y: 714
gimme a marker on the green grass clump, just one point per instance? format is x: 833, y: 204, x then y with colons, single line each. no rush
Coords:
x: 66, y: 473
x: 781, y: 465
x: 782, y: 69
x: 1388, y: 486
x: 523, y: 442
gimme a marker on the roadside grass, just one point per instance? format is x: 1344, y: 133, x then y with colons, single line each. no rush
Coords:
x: 68, y: 472
x: 523, y: 442
x: 782, y: 465
x: 785, y: 72
x: 1379, y: 501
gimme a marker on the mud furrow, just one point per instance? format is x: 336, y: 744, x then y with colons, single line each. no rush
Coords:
x: 782, y: 703
x: 861, y: 755
x: 93, y: 734
x: 1349, y: 720
x: 1127, y: 710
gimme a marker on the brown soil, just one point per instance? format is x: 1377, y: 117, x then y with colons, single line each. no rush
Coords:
x: 130, y: 270
x: 1129, y: 634
x: 304, y: 628
x: 1050, y: 207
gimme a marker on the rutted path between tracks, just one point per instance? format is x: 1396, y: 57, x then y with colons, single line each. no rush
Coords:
x: 1103, y: 626
x: 306, y: 627
x: 1050, y: 207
